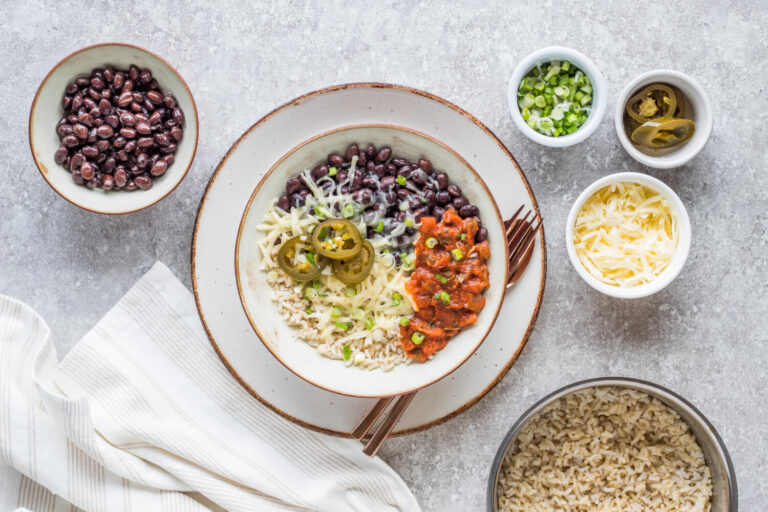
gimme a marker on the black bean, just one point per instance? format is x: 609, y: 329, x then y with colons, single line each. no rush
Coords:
x: 419, y: 177
x: 76, y: 161
x: 77, y: 177
x: 425, y: 165
x: 380, y: 170
x: 318, y: 172
x: 170, y: 148
x: 64, y: 129
x: 403, y: 194
x: 387, y: 182
x: 363, y: 196
x: 469, y: 210
x: 176, y: 133
x: 105, y: 131
x: 292, y: 185
x: 71, y: 140
x: 431, y: 198
x: 370, y: 151
x: 90, y: 151
x: 144, y: 182
x: 459, y: 203
x: 421, y: 212
x: 399, y: 216
x: 370, y: 182
x: 438, y: 212
x: 482, y: 235
x: 454, y: 190
x: 404, y: 171
x: 390, y: 196
x: 61, y: 154
x: 162, y: 139
x: 341, y: 176
x: 158, y: 168
x: 297, y: 200
x: 93, y: 135
x: 146, y: 142
x: 415, y: 202
x: 178, y: 116
x: 399, y: 161
x: 442, y: 180
x: 169, y: 101
x: 362, y: 160
x: 383, y: 154
x: 327, y: 187
x: 87, y: 170
x: 352, y: 151
x: 109, y: 164
x: 357, y: 180
x: 66, y: 101
x: 442, y: 198
x: 107, y: 181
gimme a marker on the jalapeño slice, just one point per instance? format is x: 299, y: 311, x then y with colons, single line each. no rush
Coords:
x: 297, y: 258
x: 656, y: 100
x: 664, y: 132
x: 337, y: 239
x: 354, y: 270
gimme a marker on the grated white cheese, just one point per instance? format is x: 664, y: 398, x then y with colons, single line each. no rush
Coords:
x: 625, y: 234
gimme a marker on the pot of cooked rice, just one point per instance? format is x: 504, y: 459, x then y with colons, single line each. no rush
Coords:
x: 612, y: 444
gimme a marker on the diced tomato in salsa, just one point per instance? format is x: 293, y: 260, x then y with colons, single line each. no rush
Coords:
x: 446, y: 285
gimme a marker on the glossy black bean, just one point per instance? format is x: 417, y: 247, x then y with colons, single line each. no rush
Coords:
x: 431, y: 198
x: 363, y: 196
x: 454, y: 190
x: 405, y: 171
x: 438, y: 212
x: 425, y: 165
x: 158, y: 168
x: 351, y: 151
x: 357, y: 180
x: 144, y: 182
x: 442, y: 180
x: 362, y: 160
x: 292, y: 185
x: 423, y: 212
x: 459, y: 203
x: 399, y: 161
x: 383, y: 154
x: 390, y: 196
x: 469, y: 210
x: 297, y: 200
x: 415, y: 202
x: 442, y: 198
x: 380, y: 170
x: 370, y: 182
x: 482, y: 235
x: 419, y: 177
x: 403, y: 194
x: 342, y: 175
x: 319, y: 171
x: 335, y: 160
x: 61, y: 154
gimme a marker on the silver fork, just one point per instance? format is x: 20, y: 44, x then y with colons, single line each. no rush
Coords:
x: 521, y: 234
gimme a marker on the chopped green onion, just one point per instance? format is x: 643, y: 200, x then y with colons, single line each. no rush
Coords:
x: 408, y: 222
x: 316, y: 284
x: 379, y: 227
x: 349, y: 211
x: 369, y: 323
x: 310, y: 257
x: 417, y: 338
x: 456, y: 254
x: 322, y: 294
x: 462, y: 236
x: 401, y: 180
x: 441, y: 278
x: 445, y: 298
x: 319, y: 211
x: 357, y: 314
x: 565, y: 65
x: 586, y: 99
x: 351, y: 292
x: 309, y: 292
x: 405, y: 321
x: 431, y: 242
x: 335, y: 312
x: 341, y: 325
x: 540, y: 101
x: 322, y: 233
x: 396, y: 298
x: 526, y: 101
x: 332, y: 171
x: 347, y: 352
x: 308, y: 310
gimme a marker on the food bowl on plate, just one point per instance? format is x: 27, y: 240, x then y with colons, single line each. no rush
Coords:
x: 601, y: 266
x: 593, y: 92
x: 699, y: 110
x: 688, y: 426
x: 47, y: 110
x: 344, y: 371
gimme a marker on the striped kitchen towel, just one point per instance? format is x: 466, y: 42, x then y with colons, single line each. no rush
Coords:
x: 141, y: 415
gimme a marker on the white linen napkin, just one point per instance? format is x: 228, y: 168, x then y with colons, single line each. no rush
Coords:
x: 141, y: 415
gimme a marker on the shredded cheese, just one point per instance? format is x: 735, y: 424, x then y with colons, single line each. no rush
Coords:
x: 625, y: 234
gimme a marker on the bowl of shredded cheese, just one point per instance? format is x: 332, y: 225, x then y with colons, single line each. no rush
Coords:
x: 628, y: 235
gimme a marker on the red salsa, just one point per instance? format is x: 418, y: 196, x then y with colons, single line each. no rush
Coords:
x: 447, y: 283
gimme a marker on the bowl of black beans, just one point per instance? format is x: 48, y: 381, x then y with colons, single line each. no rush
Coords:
x: 113, y: 128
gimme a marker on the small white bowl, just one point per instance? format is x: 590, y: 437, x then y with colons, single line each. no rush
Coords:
x: 683, y: 243
x: 599, y: 95
x: 697, y: 101
x: 47, y: 110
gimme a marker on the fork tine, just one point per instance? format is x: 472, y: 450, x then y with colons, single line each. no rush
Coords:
x: 515, y: 240
x: 519, y: 263
x: 514, y: 225
x: 513, y: 218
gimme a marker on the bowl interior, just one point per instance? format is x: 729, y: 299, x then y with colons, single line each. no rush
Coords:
x: 683, y: 244
x: 698, y: 110
x: 724, y: 495
x: 47, y: 111
x: 282, y: 340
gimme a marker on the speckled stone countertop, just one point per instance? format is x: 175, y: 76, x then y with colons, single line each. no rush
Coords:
x: 705, y: 336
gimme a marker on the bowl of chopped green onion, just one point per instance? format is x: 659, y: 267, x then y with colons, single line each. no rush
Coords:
x: 557, y: 96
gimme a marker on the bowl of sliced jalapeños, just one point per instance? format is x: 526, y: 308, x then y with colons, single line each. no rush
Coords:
x: 663, y: 118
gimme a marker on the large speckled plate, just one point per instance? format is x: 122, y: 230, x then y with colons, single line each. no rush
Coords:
x: 229, y: 191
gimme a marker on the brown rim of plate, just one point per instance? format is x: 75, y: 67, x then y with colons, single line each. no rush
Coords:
x: 479, y: 124
x: 40, y: 165
x: 255, y: 192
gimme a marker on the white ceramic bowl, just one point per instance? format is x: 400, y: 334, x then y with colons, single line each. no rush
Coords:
x: 47, y: 110
x: 683, y: 244
x: 698, y: 102
x: 599, y: 95
x: 282, y: 340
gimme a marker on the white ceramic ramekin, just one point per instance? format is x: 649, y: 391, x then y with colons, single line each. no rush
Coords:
x: 702, y: 116
x: 683, y: 244
x: 599, y: 95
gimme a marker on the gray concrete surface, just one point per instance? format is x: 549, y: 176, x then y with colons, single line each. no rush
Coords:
x: 705, y: 336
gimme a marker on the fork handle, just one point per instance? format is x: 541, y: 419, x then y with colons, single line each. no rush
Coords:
x: 369, y: 419
x: 389, y: 423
